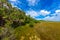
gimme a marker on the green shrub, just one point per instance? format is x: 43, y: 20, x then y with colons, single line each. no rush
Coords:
x: 31, y: 25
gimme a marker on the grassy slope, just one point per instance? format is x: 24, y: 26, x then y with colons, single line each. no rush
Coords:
x: 40, y: 31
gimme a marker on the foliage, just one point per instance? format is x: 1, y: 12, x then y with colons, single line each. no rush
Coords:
x: 31, y: 25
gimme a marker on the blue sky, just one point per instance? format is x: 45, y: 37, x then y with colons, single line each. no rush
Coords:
x: 39, y: 9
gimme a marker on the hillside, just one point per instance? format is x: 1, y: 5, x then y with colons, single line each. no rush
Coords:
x: 15, y: 25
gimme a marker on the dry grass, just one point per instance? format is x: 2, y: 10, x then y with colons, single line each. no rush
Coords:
x: 40, y: 31
x: 48, y: 30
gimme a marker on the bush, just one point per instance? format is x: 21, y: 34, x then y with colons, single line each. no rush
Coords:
x: 15, y: 24
x: 31, y: 25
x: 2, y: 21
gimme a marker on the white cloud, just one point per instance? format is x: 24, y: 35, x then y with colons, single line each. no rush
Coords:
x: 32, y: 13
x: 35, y: 13
x: 49, y: 18
x: 57, y: 11
x: 15, y: 3
x: 55, y: 16
x: 13, y: 0
x: 32, y: 2
x: 44, y: 12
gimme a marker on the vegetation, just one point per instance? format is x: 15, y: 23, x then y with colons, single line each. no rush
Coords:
x: 13, y: 21
x: 15, y: 25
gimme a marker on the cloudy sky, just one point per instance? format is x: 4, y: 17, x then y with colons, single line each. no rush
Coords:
x: 39, y: 9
